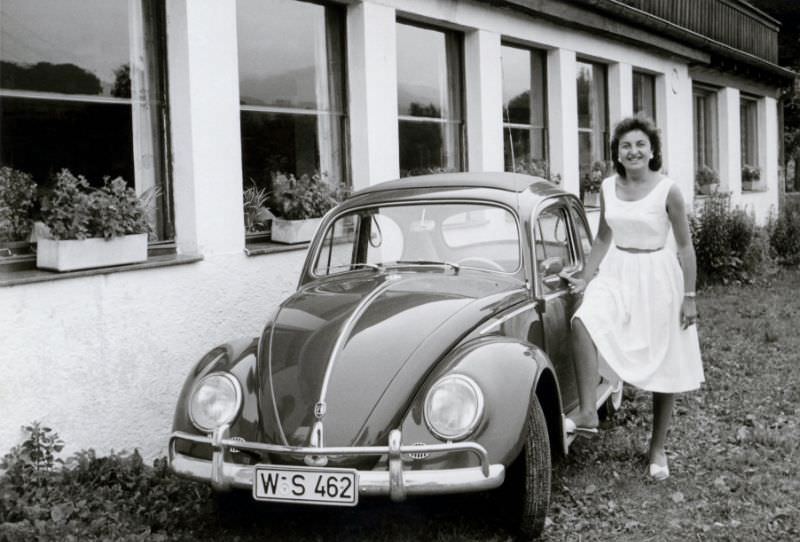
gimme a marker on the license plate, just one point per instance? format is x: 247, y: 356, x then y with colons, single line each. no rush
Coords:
x: 305, y: 485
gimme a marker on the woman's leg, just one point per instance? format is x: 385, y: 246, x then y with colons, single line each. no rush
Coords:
x: 584, y: 358
x: 662, y: 417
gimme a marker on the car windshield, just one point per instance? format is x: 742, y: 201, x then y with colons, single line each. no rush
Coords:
x: 451, y: 235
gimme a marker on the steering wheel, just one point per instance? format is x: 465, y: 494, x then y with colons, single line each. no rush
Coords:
x: 483, y: 262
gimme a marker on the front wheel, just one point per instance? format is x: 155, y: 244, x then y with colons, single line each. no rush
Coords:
x: 528, y: 478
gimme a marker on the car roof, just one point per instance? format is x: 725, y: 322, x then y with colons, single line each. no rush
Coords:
x: 508, y: 182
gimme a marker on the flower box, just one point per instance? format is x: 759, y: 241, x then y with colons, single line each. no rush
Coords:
x: 74, y: 254
x: 294, y: 231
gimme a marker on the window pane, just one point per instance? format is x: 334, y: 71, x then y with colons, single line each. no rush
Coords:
x: 41, y: 137
x: 749, y: 131
x: 644, y: 94
x: 524, y: 104
x: 65, y: 46
x: 516, y: 85
x: 298, y: 144
x: 421, y: 72
x: 592, y: 124
x: 289, y: 54
x: 705, y: 128
x: 429, y: 147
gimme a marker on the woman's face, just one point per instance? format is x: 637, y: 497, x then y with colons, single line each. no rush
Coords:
x: 635, y: 151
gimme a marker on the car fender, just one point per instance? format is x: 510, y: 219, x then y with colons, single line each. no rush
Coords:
x: 508, y: 372
x: 237, y: 357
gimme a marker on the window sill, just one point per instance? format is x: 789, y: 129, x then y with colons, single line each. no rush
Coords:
x: 29, y: 276
x: 258, y: 249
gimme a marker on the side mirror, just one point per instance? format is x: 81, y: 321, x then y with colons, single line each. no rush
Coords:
x: 551, y: 266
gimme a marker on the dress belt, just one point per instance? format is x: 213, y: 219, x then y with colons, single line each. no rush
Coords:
x: 633, y: 250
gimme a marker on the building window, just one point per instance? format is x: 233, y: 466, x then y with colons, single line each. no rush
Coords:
x: 748, y: 121
x: 429, y: 92
x: 644, y: 95
x: 592, y: 129
x: 82, y: 88
x: 705, y: 137
x: 524, y: 110
x: 291, y: 89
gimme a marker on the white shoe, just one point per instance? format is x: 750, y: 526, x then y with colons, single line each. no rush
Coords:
x: 657, y: 472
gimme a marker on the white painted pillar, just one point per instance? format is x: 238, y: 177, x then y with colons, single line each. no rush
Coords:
x: 620, y: 93
x: 372, y: 73
x: 204, y: 120
x: 768, y: 159
x: 562, y: 105
x: 484, y: 81
x: 729, y: 129
x: 674, y: 110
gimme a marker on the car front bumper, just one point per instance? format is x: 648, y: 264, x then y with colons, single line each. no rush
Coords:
x: 394, y: 482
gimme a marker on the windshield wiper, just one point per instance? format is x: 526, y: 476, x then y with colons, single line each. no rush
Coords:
x: 454, y: 266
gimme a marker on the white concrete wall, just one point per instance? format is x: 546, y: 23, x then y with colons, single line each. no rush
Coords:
x: 102, y: 358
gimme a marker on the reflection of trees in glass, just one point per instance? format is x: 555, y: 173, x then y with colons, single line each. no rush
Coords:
x: 584, y: 93
x: 519, y: 108
x: 122, y: 82
x: 421, y: 144
x: 46, y: 77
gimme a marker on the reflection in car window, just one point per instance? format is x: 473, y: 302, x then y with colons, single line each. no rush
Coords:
x: 583, y: 234
x: 467, y: 234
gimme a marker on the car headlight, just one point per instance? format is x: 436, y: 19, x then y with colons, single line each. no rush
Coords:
x: 453, y: 407
x: 215, y: 401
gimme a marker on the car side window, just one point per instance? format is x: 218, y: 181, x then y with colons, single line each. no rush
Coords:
x: 552, y: 245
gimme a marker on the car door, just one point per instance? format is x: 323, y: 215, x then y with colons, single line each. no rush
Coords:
x: 556, y: 251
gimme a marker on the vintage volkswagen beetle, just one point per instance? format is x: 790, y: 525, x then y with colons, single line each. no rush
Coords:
x: 425, y: 351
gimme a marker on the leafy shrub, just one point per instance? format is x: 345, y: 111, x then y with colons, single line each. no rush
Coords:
x: 728, y: 244
x: 75, y: 210
x: 17, y: 197
x: 91, y: 498
x: 309, y: 196
x: 785, y: 236
x: 254, y: 205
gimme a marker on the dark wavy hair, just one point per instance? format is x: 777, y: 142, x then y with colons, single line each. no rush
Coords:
x: 643, y: 123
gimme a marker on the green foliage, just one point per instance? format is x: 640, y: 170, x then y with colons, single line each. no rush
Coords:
x: 75, y: 210
x: 90, y: 497
x: 785, y: 236
x: 728, y: 244
x: 309, y: 196
x: 537, y: 168
x: 750, y: 173
x: 17, y: 198
x: 254, y: 205
x: 706, y: 176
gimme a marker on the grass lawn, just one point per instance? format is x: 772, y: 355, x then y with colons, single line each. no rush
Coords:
x: 733, y: 452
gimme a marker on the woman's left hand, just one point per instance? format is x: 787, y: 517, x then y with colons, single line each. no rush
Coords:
x: 688, y: 312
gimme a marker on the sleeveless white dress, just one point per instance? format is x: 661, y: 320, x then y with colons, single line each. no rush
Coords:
x: 632, y: 306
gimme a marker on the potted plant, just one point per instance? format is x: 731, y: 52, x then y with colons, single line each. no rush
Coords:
x: 706, y: 180
x: 751, y: 175
x: 591, y: 182
x: 89, y: 227
x: 257, y: 216
x: 17, y: 199
x: 298, y: 204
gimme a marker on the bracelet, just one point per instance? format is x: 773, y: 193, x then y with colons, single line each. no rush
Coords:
x: 689, y: 294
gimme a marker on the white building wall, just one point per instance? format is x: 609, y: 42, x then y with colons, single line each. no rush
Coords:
x: 102, y: 358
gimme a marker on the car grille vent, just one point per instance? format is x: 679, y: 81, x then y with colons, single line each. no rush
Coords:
x: 235, y: 450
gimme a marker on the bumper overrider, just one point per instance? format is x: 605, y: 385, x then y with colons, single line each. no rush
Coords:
x: 395, y: 482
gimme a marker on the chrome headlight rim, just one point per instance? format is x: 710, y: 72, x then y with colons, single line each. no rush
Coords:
x: 479, y: 407
x: 237, y: 387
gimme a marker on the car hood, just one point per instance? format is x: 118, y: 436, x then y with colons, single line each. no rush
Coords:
x: 352, y: 352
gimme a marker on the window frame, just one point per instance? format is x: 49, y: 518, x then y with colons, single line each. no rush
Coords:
x: 706, y: 154
x: 150, y: 20
x: 599, y: 135
x: 456, y: 96
x: 537, y: 59
x: 337, y: 89
x: 749, y: 137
